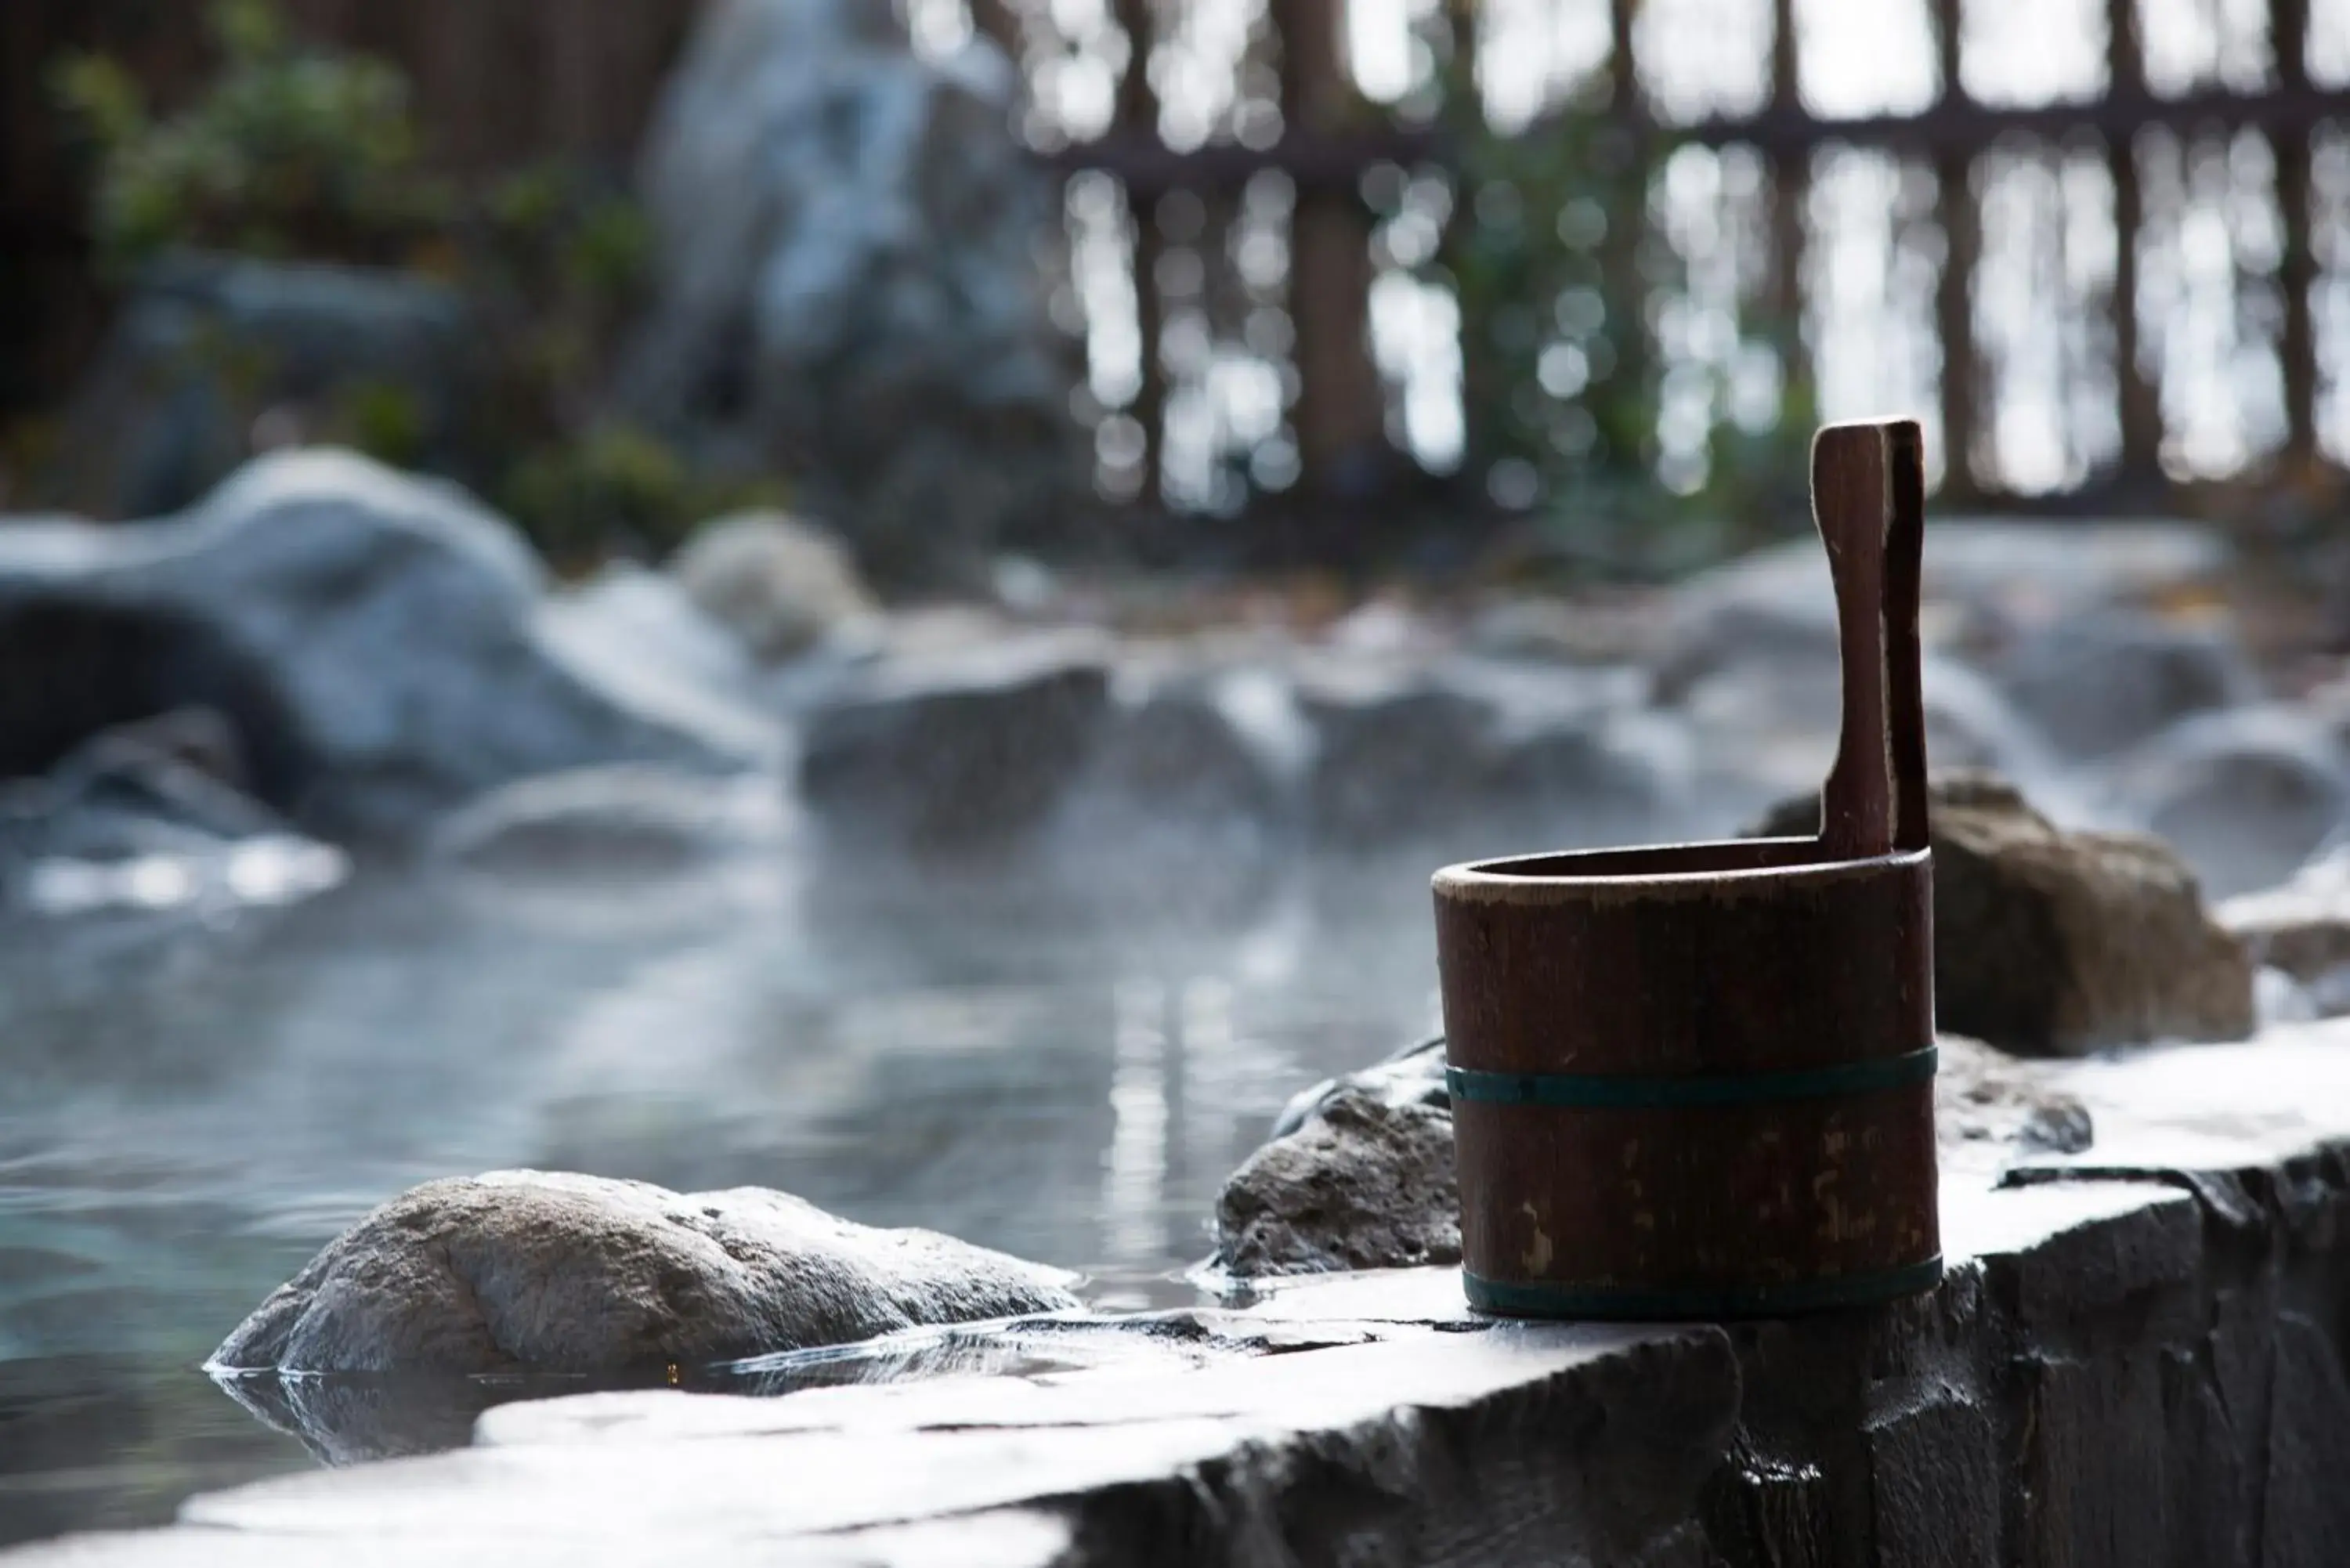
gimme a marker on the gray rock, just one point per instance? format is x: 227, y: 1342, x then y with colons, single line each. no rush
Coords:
x: 779, y: 585
x: 374, y: 640
x: 970, y: 751
x: 2051, y: 942
x: 1412, y: 1076
x: 530, y: 1271
x: 847, y: 279
x: 2099, y: 684
x: 1427, y: 752
x: 2247, y: 796
x: 1363, y: 1184
x: 1175, y: 751
x: 211, y: 351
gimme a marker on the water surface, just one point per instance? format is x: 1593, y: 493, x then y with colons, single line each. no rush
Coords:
x: 192, y: 1110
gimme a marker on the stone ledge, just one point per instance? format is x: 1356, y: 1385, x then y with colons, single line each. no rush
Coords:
x: 2135, y: 1358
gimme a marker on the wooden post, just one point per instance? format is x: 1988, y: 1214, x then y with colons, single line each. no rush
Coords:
x: 1954, y: 296
x: 1137, y: 115
x: 2140, y: 398
x: 1341, y: 405
x: 1790, y: 186
x: 2297, y: 271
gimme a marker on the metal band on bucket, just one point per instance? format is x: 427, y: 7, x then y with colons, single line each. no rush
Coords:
x: 1611, y: 1091
x: 1512, y: 1299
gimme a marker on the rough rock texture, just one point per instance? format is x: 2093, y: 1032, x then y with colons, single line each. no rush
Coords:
x: 960, y: 753
x: 2247, y: 796
x: 1176, y: 751
x: 530, y: 1271
x: 373, y: 639
x: 2133, y: 1359
x: 847, y: 281
x: 2049, y: 942
x: 210, y: 350
x: 1365, y: 1183
x: 2100, y: 682
x: 779, y: 585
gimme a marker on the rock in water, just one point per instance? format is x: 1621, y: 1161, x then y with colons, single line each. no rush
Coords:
x: 532, y: 1270
x: 2054, y: 943
x: 376, y: 642
x: 778, y: 585
x: 958, y: 754
x: 1365, y: 1183
x: 847, y: 278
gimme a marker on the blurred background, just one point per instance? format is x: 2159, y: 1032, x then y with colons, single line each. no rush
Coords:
x: 897, y: 603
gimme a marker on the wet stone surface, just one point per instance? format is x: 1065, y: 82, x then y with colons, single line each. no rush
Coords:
x: 2127, y: 1357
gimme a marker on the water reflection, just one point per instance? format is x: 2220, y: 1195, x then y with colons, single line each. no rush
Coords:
x: 1001, y: 1061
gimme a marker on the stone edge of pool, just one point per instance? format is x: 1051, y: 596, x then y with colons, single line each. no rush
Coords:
x: 2135, y: 1356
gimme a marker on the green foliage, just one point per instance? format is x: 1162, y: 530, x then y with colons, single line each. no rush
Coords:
x: 289, y: 153
x: 300, y: 153
x: 1561, y: 274
x: 613, y: 483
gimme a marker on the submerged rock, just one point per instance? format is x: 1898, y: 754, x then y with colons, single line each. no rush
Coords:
x: 373, y: 639
x: 779, y: 585
x: 527, y: 1270
x: 960, y: 753
x: 2049, y: 942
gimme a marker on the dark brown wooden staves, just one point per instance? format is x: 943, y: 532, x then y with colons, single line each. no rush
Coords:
x: 1697, y: 1080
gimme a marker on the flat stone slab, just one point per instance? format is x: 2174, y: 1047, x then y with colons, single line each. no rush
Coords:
x: 2131, y: 1360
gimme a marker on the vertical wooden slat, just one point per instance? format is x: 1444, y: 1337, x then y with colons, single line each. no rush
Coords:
x: 1341, y: 404
x: 1954, y: 296
x: 2297, y: 271
x: 1137, y: 117
x: 1790, y: 186
x: 2141, y: 400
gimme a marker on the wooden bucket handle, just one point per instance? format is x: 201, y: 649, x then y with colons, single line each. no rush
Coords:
x: 1868, y: 498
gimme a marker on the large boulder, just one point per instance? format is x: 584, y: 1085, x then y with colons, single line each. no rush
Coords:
x: 2247, y: 794
x: 377, y: 643
x: 2049, y: 942
x: 847, y: 281
x: 529, y: 1271
x: 967, y: 752
x: 780, y: 585
x: 1421, y: 754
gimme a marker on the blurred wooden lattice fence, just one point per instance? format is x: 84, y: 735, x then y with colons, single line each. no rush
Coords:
x: 498, y: 83
x: 501, y: 81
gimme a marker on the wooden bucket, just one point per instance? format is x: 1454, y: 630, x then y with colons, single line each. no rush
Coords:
x: 1696, y: 1081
